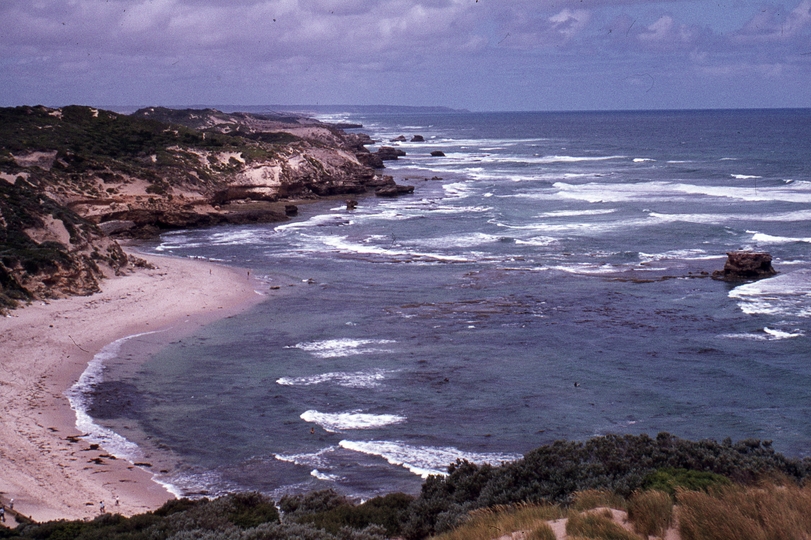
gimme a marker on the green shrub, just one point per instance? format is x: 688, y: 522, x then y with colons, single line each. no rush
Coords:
x: 669, y: 479
x: 329, y: 511
x: 554, y: 473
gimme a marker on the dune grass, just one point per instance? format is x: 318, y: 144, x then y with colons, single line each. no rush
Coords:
x: 596, y: 498
x: 597, y: 525
x: 651, y: 512
x: 770, y: 511
x: 489, y: 523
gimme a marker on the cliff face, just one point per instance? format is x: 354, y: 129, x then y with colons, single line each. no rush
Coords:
x: 71, y: 177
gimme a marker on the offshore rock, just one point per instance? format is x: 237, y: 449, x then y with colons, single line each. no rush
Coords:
x: 389, y: 153
x: 437, y: 153
x: 417, y: 138
x: 746, y: 265
x: 394, y: 191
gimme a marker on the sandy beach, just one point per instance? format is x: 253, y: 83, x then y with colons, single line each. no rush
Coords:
x: 45, y: 348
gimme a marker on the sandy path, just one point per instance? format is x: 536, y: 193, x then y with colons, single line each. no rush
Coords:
x: 44, y: 348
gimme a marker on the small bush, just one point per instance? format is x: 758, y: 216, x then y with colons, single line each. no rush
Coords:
x: 669, y: 479
x: 651, y: 512
x: 332, y: 512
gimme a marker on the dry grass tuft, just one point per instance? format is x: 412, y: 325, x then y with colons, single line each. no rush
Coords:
x: 596, y: 498
x: 767, y: 512
x: 651, y: 512
x: 489, y: 523
x: 542, y: 532
x: 597, y: 525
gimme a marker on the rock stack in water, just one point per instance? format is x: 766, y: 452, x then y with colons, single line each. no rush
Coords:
x: 745, y: 265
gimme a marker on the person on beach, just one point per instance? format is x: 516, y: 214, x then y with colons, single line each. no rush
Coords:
x: 3, y: 513
x: 101, y: 507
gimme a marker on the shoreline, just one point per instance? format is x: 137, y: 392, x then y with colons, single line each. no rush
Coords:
x: 47, y: 346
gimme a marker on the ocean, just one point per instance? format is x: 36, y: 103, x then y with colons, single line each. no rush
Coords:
x: 548, y: 279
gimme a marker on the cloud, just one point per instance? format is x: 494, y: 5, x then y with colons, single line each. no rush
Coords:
x: 775, y: 24
x: 354, y: 49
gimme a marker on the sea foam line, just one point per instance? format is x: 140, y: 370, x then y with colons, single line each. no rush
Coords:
x: 358, y: 379
x: 424, y: 461
x: 316, y: 459
x: 334, y: 348
x: 79, y: 397
x: 337, y: 422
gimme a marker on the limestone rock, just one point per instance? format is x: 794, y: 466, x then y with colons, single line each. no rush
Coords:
x: 394, y: 191
x: 746, y: 265
x: 389, y: 153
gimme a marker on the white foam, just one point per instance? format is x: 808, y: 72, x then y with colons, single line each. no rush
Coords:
x: 457, y: 241
x: 768, y: 334
x: 797, y: 215
x: 586, y: 268
x: 538, y: 241
x: 324, y: 476
x: 320, y: 220
x: 571, y: 159
x: 678, y: 254
x: 575, y: 213
x: 342, y: 244
x: 316, y: 459
x: 424, y: 460
x: 779, y: 334
x: 78, y: 397
x: 761, y: 238
x: 745, y: 176
x: 670, y: 191
x: 581, y: 227
x: 457, y: 190
x: 749, y: 337
x: 334, y: 348
x: 358, y: 379
x: 337, y: 422
x: 784, y: 295
x: 643, y: 160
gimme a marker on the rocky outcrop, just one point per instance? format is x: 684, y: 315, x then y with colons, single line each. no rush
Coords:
x: 371, y: 160
x: 394, y: 191
x: 389, y: 153
x: 48, y: 251
x: 437, y: 153
x: 417, y: 138
x: 746, y: 265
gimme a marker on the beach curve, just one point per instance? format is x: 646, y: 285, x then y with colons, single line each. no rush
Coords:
x: 46, y: 346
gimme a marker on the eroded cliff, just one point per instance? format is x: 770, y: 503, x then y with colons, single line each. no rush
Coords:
x: 71, y: 178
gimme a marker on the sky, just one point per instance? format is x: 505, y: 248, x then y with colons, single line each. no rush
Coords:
x: 481, y: 55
